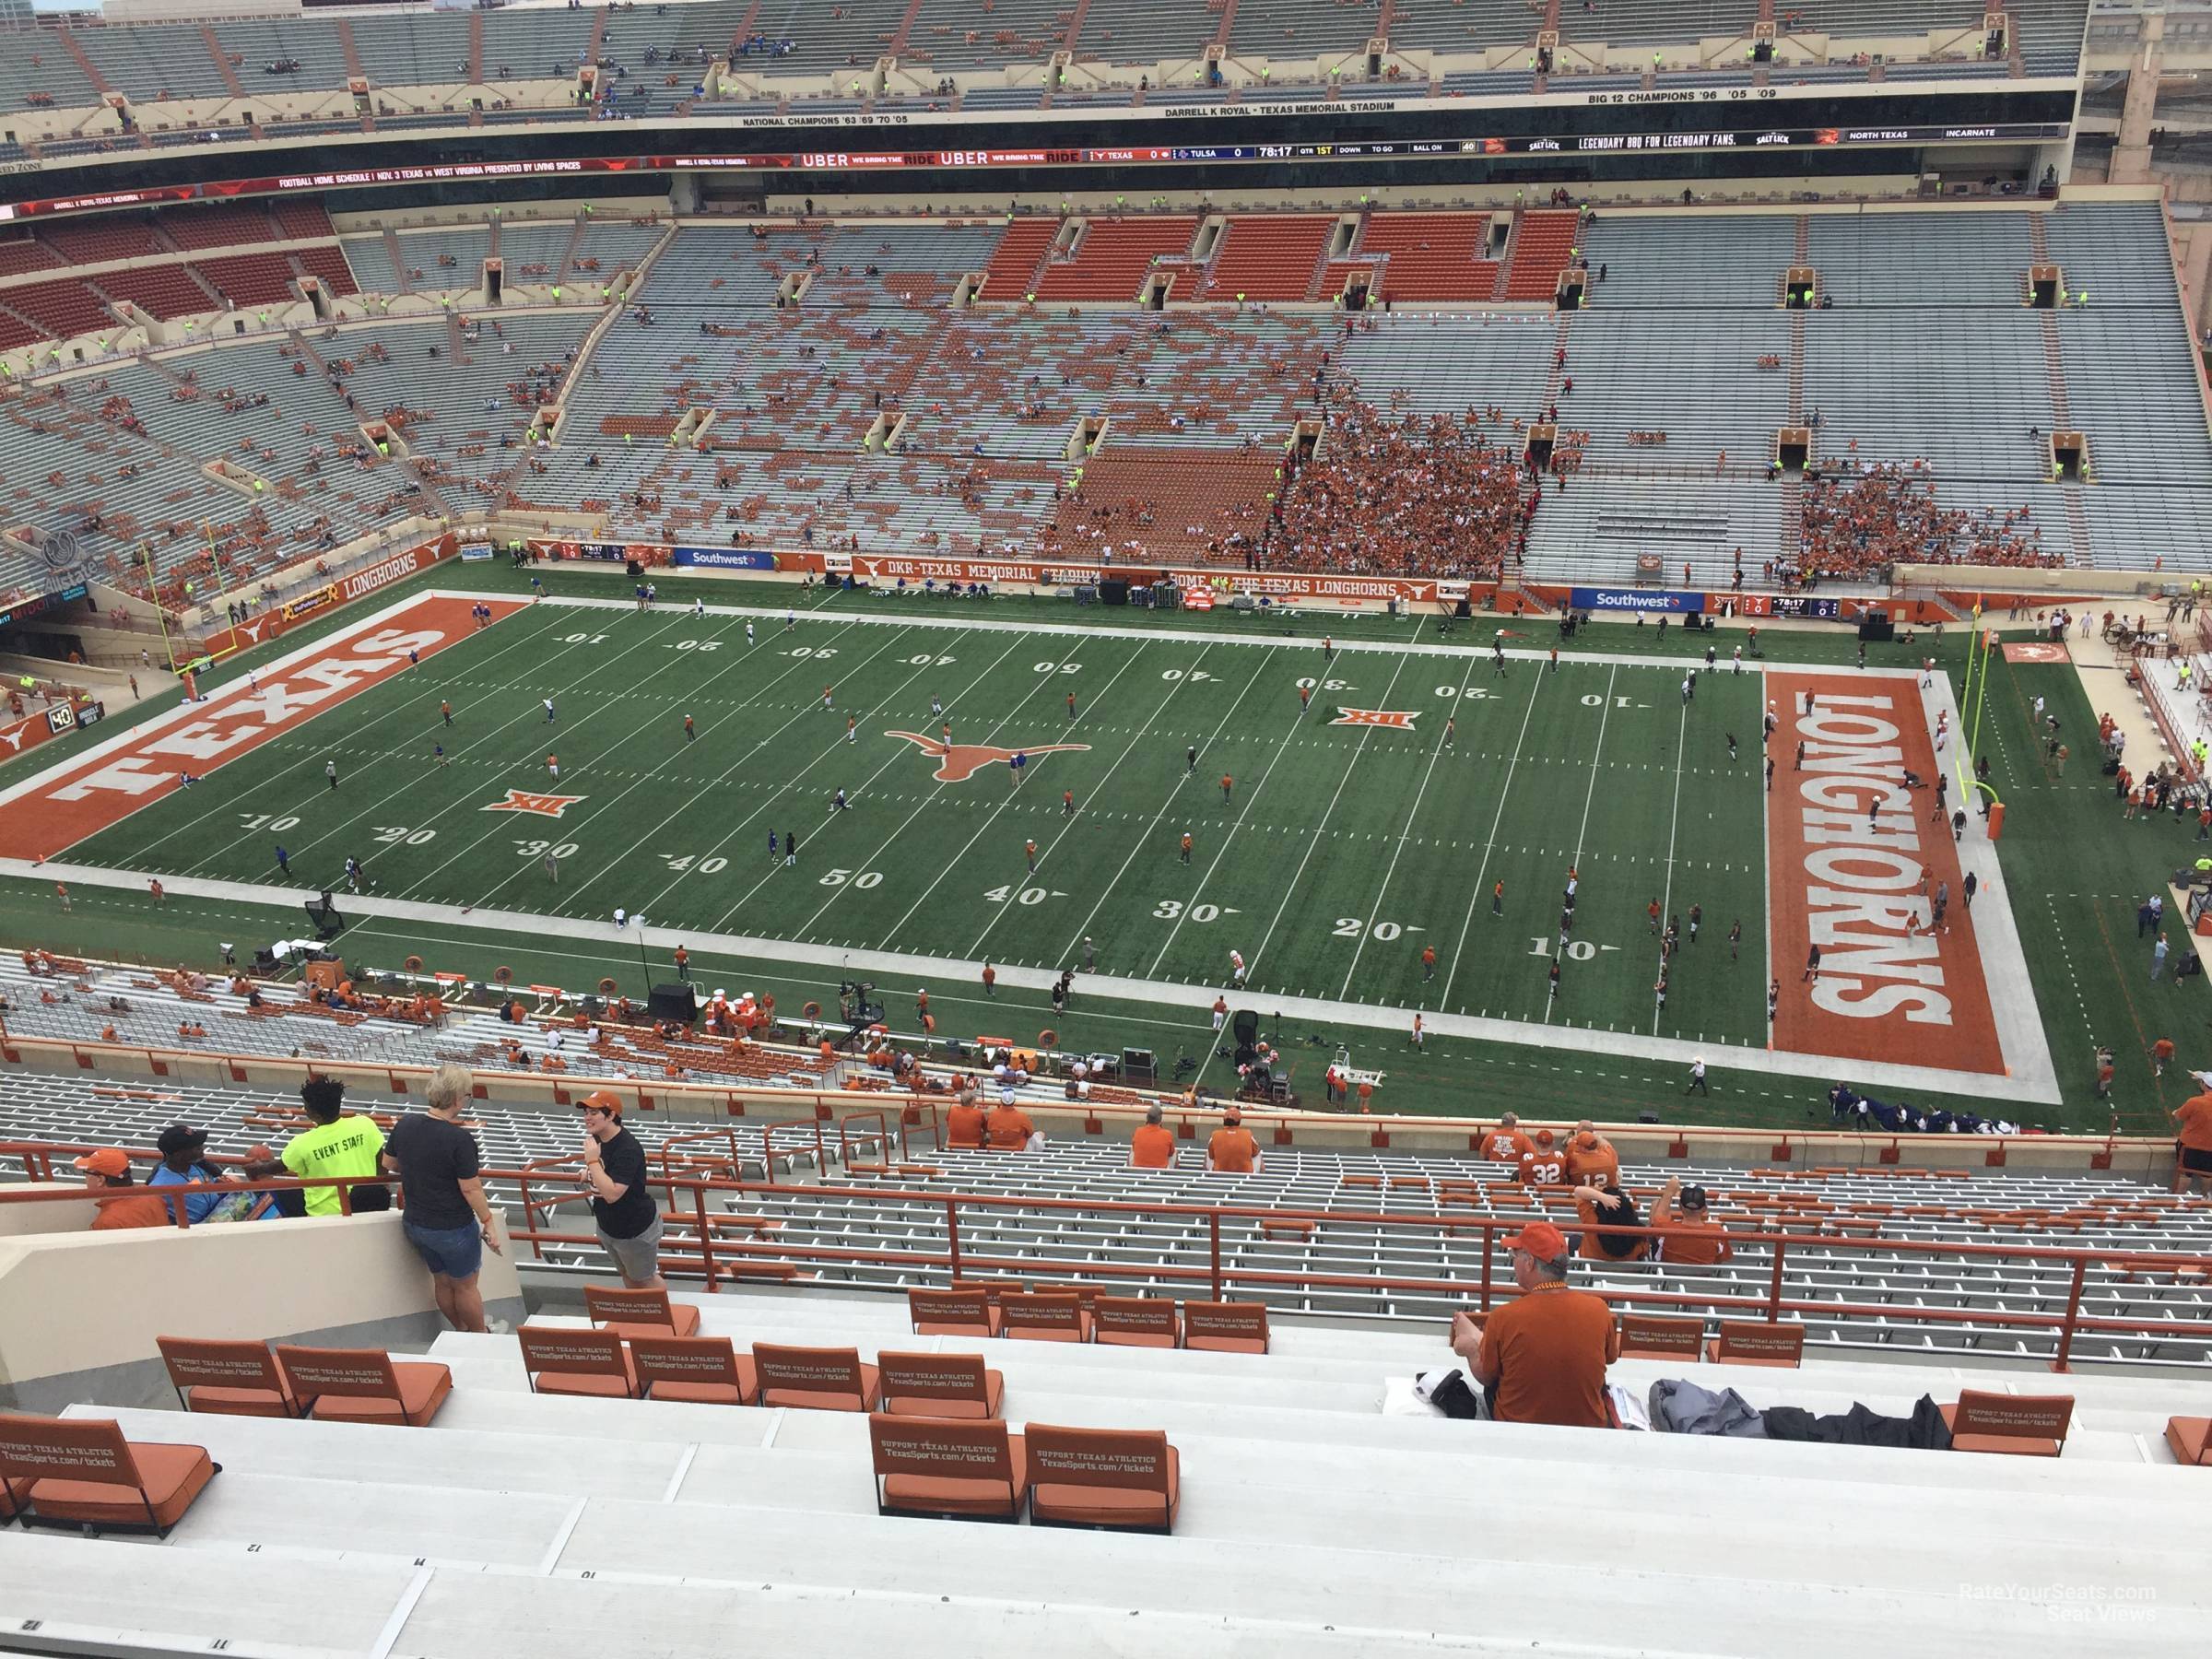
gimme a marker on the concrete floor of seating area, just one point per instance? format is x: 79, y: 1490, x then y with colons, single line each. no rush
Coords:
x: 1318, y: 1527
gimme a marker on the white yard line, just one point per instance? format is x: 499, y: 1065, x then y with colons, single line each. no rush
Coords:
x: 1398, y: 852
x: 1145, y: 835
x: 1482, y: 876
x: 557, y: 733
x: 802, y: 713
x: 894, y: 758
x: 990, y: 818
x: 1596, y: 759
x: 1067, y: 823
x: 1313, y: 840
x: 321, y: 786
x: 1673, y: 822
x: 599, y: 942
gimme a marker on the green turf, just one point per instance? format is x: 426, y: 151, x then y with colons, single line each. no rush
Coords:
x: 1337, y: 854
x: 1341, y: 852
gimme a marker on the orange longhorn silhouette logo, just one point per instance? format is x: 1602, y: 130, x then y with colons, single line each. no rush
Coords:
x: 957, y: 762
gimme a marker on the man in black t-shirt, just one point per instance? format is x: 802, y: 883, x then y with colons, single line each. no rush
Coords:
x: 447, y: 1219
x: 613, y: 1171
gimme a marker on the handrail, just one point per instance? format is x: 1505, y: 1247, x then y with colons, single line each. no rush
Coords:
x: 716, y: 1253
x: 1864, y: 1148
x: 1220, y: 1279
x: 883, y: 1134
x: 767, y: 1148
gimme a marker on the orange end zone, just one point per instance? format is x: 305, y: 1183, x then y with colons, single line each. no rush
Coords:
x: 102, y: 788
x: 1888, y: 988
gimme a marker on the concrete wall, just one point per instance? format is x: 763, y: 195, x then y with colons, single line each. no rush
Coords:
x: 79, y: 1312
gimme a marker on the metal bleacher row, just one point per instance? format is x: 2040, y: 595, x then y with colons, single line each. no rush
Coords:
x: 1885, y: 1242
x: 1928, y: 354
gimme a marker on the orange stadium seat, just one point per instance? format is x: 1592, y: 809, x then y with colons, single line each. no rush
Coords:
x: 71, y: 1472
x: 1045, y: 1316
x: 1136, y: 1322
x: 640, y: 1312
x: 561, y: 1361
x: 2015, y: 1425
x: 1655, y: 1337
x: 365, y: 1385
x: 940, y: 1386
x: 1123, y: 1478
x: 236, y: 1379
x: 705, y: 1371
x: 2191, y: 1439
x: 1225, y: 1328
x: 964, y: 1311
x: 1754, y: 1342
x: 815, y: 1379
x: 931, y: 1467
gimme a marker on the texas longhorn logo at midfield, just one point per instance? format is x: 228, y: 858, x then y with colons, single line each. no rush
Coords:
x: 960, y: 761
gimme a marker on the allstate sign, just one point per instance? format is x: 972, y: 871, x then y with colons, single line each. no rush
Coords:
x: 1636, y: 599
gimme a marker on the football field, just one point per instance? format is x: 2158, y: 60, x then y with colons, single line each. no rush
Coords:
x: 1356, y: 832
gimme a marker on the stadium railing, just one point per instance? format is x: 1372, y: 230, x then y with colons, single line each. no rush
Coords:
x: 719, y: 1259
x: 920, y: 1116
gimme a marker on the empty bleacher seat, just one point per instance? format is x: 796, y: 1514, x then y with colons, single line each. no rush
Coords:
x: 704, y: 1371
x: 2016, y: 1425
x: 240, y: 1378
x: 932, y: 1466
x: 815, y: 1378
x: 82, y: 1473
x: 1105, y: 1478
x: 365, y: 1385
x: 638, y: 1313
x: 939, y: 1386
x: 565, y: 1361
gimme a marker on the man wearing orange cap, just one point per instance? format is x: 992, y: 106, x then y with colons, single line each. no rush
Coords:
x: 614, y: 1170
x: 1542, y: 1356
x: 1230, y: 1150
x: 122, y: 1203
x: 1590, y: 1156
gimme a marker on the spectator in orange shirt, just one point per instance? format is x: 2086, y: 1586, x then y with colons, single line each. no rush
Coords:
x: 1590, y: 1157
x: 1153, y: 1145
x: 1601, y: 1209
x: 964, y: 1123
x: 1542, y: 1358
x: 1010, y: 1129
x: 1231, y: 1150
x: 122, y: 1203
x: 1692, y: 1239
x: 1506, y: 1144
x: 1543, y: 1164
x: 2194, y: 1118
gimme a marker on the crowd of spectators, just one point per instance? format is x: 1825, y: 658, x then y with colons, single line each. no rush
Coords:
x: 1428, y: 496
x: 1860, y: 517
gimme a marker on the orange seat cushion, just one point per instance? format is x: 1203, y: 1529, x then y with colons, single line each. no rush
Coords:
x: 959, y: 1327
x: 173, y: 1477
x: 822, y: 1399
x: 1049, y: 1334
x: 2006, y: 1445
x: 2191, y: 1439
x: 970, y: 1411
x: 1108, y: 1506
x: 423, y: 1385
x: 685, y: 1314
x: 1225, y: 1345
x: 948, y: 1495
x: 740, y: 1393
x: 1155, y: 1339
x: 244, y: 1402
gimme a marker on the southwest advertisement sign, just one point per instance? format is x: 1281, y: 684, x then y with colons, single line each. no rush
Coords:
x: 1630, y: 600
x: 725, y: 559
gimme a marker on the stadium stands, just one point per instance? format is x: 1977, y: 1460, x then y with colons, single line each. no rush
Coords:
x: 1681, y: 355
